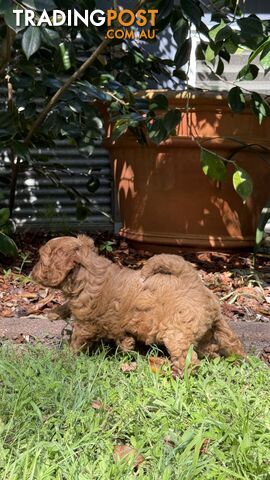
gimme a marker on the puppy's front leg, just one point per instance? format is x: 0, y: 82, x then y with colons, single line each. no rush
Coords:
x: 178, y: 346
x: 127, y: 343
x: 83, y: 336
x: 61, y: 312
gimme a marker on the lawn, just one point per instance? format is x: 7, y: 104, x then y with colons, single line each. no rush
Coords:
x: 62, y: 417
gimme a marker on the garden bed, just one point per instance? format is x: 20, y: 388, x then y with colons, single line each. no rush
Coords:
x: 243, y: 291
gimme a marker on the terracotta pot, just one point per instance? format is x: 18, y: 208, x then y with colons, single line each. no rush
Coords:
x: 164, y: 197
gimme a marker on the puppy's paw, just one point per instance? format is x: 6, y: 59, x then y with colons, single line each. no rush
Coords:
x: 53, y: 316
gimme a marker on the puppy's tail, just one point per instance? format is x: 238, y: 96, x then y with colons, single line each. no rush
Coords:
x: 227, y: 340
x: 164, y: 264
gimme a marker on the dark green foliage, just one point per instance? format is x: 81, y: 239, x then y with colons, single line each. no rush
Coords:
x: 7, y: 245
x: 36, y: 62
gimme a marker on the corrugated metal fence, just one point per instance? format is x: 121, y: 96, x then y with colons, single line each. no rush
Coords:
x: 42, y: 205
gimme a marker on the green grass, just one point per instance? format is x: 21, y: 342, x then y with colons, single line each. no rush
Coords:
x: 217, y: 423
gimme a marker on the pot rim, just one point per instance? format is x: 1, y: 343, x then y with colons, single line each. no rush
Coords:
x: 183, y: 94
x: 217, y: 97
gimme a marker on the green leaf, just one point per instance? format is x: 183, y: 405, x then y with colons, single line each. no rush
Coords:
x: 165, y: 8
x: 258, y: 50
x: 223, y: 34
x: 210, y: 54
x: 251, y: 25
x: 87, y: 149
x: 123, y: 123
x: 265, y: 57
x: 264, y: 217
x: 220, y: 67
x: 7, y: 246
x: 31, y: 41
x: 94, y: 92
x: 236, y: 99
x: 242, y: 183
x: 171, y: 120
x: 192, y: 11
x: 93, y: 183
x: 231, y: 45
x: 182, y: 55
x: 6, y: 119
x: 248, y: 72
x: 259, y: 106
x: 82, y: 211
x: 251, y: 31
x: 119, y: 128
x: 7, y: 124
x: 213, y: 165
x: 157, y: 131
x: 10, y: 18
x: 20, y: 149
x: 5, y: 5
x: 50, y: 37
x: 4, y: 216
x: 220, y: 32
x: 40, y: 4
x: 158, y: 102
x: 9, y: 227
x: 180, y: 30
x: 223, y: 53
x: 65, y: 56
x: 215, y: 29
x: 179, y: 73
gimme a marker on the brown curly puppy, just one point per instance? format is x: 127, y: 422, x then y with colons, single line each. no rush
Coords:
x: 164, y: 303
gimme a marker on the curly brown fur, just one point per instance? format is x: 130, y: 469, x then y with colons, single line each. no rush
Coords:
x: 164, y: 303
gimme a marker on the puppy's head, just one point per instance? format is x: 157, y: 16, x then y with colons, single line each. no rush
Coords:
x: 59, y: 257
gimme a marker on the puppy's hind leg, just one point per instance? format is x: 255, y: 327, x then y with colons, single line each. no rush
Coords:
x: 227, y: 340
x: 178, y: 346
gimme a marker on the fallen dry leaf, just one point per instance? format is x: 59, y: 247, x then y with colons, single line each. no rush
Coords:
x: 168, y: 441
x: 228, y: 308
x: 156, y: 363
x: 127, y: 452
x: 97, y: 405
x: 40, y: 305
x: 43, y: 293
x: 7, y: 312
x: 204, y: 446
x: 22, y: 339
x: 30, y: 295
x: 128, y: 367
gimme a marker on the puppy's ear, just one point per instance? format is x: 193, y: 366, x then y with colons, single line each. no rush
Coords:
x: 54, y: 265
x: 62, y: 263
x: 87, y: 243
